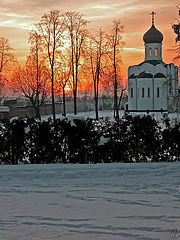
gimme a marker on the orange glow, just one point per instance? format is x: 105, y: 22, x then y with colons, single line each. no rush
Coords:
x: 17, y: 18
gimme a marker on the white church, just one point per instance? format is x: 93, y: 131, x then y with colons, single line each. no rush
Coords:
x: 153, y: 84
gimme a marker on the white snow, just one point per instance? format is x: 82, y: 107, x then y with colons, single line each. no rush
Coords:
x: 174, y: 117
x: 90, y: 202
x: 83, y: 115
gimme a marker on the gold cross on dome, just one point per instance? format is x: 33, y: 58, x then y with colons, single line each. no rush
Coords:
x: 153, y: 14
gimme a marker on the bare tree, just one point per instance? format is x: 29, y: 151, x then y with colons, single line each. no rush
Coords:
x: 6, y: 58
x: 37, y: 61
x: 51, y: 29
x: 98, y: 48
x: 116, y: 44
x: 108, y: 83
x: 177, y: 51
x: 63, y: 77
x: 75, y: 25
x: 176, y: 28
x: 24, y: 79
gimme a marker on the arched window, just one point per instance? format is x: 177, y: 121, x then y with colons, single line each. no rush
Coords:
x: 131, y: 92
x: 156, y: 52
x: 143, y: 92
x: 158, y: 92
x: 150, y: 52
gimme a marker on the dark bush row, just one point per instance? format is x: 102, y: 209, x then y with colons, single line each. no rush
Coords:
x: 130, y: 139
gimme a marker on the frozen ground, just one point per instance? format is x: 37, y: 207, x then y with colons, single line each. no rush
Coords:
x: 90, y: 202
x: 109, y: 114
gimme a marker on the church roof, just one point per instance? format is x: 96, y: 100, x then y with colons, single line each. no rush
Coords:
x: 159, y: 75
x: 132, y: 76
x: 153, y: 35
x: 141, y: 75
x: 153, y: 62
x: 145, y: 75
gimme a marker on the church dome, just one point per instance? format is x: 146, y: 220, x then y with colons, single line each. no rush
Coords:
x: 153, y: 36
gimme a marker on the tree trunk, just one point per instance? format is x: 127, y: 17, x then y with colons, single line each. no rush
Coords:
x: 116, y: 100
x: 95, y: 98
x: 52, y: 92
x: 36, y: 108
x: 37, y: 82
x: 120, y: 98
x: 116, y: 113
x: 75, y: 102
x: 64, y: 103
x: 96, y: 108
x: 73, y: 75
x: 97, y: 91
x: 37, y: 112
x: 76, y: 83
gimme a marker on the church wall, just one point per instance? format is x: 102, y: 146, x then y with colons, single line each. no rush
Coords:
x: 143, y: 101
x: 132, y: 97
x: 176, y: 79
x: 161, y: 101
x: 172, y: 80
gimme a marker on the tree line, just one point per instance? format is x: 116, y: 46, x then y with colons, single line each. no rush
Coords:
x: 65, y: 55
x: 129, y: 139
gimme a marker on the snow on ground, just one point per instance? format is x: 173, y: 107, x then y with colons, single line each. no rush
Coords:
x: 174, y: 117
x: 90, y: 202
x: 84, y: 115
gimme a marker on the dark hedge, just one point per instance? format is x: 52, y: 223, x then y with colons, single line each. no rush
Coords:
x: 130, y: 139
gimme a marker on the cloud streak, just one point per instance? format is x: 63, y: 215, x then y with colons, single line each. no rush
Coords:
x: 20, y: 16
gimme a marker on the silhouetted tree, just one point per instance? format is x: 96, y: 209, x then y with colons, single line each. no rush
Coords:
x: 51, y: 29
x: 75, y: 25
x: 116, y: 43
x: 35, y: 88
x: 6, y: 58
x: 98, y: 49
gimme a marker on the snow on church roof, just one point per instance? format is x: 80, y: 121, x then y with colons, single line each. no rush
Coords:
x: 153, y: 62
x: 159, y: 75
x: 147, y: 75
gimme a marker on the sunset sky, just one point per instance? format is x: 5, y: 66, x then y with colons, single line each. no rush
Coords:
x: 17, y: 18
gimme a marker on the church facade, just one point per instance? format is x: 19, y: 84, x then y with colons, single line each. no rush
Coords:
x: 153, y: 84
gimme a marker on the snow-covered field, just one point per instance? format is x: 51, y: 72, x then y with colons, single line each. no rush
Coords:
x: 90, y: 202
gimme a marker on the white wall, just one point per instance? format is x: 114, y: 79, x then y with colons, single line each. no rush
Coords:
x: 145, y: 102
x: 162, y: 101
x: 132, y: 100
x: 138, y: 102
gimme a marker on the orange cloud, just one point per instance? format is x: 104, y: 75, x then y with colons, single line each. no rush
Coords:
x: 17, y: 17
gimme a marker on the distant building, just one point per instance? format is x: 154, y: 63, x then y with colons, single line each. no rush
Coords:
x: 4, y: 112
x: 153, y: 84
